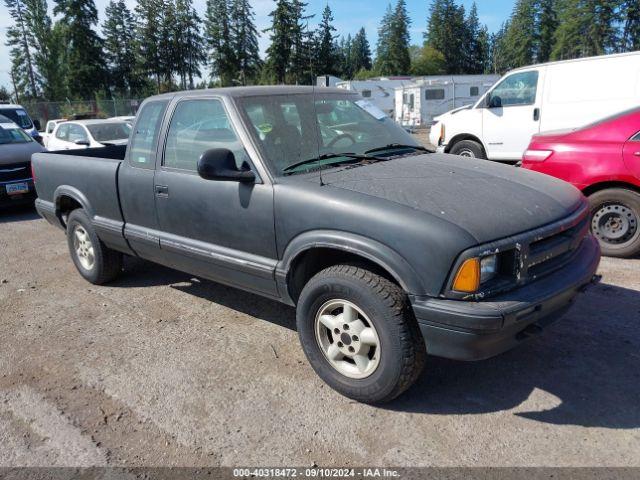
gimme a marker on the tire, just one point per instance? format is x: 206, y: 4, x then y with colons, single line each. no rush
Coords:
x: 615, y: 221
x: 94, y: 260
x: 393, y: 349
x: 468, y: 148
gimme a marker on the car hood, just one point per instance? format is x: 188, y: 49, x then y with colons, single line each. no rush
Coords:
x: 18, y: 152
x: 488, y: 200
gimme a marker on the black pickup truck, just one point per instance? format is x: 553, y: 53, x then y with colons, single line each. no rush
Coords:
x: 315, y: 198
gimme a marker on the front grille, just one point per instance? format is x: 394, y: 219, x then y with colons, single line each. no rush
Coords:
x: 15, y: 171
x: 553, y: 248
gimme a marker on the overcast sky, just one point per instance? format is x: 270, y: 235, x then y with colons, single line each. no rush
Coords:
x: 349, y: 16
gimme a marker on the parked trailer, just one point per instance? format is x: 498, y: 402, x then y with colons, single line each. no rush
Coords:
x: 418, y: 103
x: 379, y: 91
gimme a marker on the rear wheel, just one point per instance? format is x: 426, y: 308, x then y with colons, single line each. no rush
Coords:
x: 614, y: 222
x: 96, y: 262
x: 468, y: 148
x: 359, y: 334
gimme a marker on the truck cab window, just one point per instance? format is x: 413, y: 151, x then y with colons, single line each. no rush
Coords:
x: 63, y: 132
x: 144, y: 138
x: 197, y: 126
x: 77, y: 133
x: 517, y: 89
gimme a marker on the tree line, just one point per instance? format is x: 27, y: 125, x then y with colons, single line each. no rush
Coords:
x: 164, y: 45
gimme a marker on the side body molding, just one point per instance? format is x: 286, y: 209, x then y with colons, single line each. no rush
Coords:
x: 378, y: 253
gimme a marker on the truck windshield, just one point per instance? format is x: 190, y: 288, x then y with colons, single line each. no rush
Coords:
x: 12, y: 134
x: 104, y: 132
x: 17, y: 115
x: 292, y: 129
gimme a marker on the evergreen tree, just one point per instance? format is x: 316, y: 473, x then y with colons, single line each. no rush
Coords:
x: 149, y: 26
x: 631, y: 29
x: 188, y: 43
x: 344, y: 57
x: 498, y: 53
x: 326, y: 56
x: 222, y: 59
x: 384, y: 62
x: 474, y: 53
x: 399, y: 40
x: 118, y: 31
x: 303, y: 64
x: 83, y: 58
x: 547, y: 25
x: 279, y: 51
x: 360, y: 52
x: 446, y: 33
x: 521, y: 38
x: 427, y: 61
x: 168, y: 45
x: 18, y: 40
x: 245, y: 41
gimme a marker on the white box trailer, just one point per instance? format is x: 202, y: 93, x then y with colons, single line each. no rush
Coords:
x: 551, y: 96
x: 379, y: 91
x: 418, y: 103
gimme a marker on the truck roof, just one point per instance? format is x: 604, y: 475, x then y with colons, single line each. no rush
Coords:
x: 255, y: 91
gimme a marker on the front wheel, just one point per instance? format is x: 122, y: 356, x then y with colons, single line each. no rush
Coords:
x: 614, y: 222
x: 359, y: 334
x: 468, y: 148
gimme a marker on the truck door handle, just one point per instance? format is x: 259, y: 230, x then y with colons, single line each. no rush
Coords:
x: 637, y: 154
x: 162, y: 190
x: 536, y: 114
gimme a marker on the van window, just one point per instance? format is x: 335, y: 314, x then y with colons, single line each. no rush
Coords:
x: 198, y: 126
x: 517, y: 89
x: 474, y: 91
x: 434, y: 94
x: 366, y: 93
x: 144, y: 138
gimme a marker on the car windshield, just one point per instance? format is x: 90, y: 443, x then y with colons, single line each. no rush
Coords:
x: 13, y: 134
x: 105, y: 132
x: 311, y: 130
x: 18, y: 116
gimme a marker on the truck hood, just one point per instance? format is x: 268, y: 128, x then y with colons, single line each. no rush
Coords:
x: 18, y: 152
x: 488, y: 200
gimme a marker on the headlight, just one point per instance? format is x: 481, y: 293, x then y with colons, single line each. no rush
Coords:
x: 488, y: 268
x: 474, y: 272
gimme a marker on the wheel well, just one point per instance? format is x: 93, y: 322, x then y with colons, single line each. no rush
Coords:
x: 66, y: 205
x: 464, y: 136
x: 312, y: 261
x: 596, y: 187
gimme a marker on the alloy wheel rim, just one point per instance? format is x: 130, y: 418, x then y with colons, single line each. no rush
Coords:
x: 348, y: 339
x: 83, y: 247
x: 465, y: 152
x: 615, y: 224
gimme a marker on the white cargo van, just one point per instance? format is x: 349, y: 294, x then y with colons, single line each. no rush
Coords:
x: 528, y: 100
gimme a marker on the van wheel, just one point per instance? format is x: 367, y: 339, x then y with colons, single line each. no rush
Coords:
x: 468, y: 148
x: 614, y: 222
x: 359, y: 334
x: 96, y: 262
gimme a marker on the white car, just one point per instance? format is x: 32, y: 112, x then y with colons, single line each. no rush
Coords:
x: 88, y: 134
x: 528, y: 100
x: 51, y: 125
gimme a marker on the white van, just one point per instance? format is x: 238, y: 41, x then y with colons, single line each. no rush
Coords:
x: 528, y: 100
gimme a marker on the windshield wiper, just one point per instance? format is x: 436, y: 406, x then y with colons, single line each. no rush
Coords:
x: 398, y: 145
x: 326, y: 156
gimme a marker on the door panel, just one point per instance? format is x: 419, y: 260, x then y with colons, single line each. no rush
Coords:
x: 222, y: 230
x: 631, y: 153
x: 513, y: 115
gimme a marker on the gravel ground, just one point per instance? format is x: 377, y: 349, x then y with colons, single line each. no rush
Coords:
x: 160, y: 368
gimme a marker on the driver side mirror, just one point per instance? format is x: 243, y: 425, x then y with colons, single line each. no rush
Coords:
x: 36, y: 123
x: 220, y: 164
x: 84, y: 143
x: 493, y: 101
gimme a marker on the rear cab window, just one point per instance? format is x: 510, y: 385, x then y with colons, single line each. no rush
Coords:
x: 142, y: 151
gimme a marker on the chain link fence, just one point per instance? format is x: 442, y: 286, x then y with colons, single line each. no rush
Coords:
x: 101, y: 108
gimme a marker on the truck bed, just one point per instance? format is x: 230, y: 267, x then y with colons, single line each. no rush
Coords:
x: 89, y: 177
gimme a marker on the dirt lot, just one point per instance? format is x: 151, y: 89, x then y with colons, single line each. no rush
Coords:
x: 160, y: 368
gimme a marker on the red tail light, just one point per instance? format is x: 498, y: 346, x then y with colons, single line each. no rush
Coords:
x: 536, y: 155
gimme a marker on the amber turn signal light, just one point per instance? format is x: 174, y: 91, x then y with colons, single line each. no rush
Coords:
x: 468, y: 276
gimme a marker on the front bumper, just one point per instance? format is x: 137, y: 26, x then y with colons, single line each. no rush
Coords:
x: 7, y: 200
x: 465, y: 330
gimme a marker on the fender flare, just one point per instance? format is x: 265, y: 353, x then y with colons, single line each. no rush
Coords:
x: 74, y: 193
x: 372, y: 250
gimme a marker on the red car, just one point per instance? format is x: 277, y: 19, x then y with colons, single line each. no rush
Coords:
x: 603, y: 161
